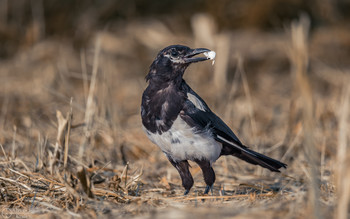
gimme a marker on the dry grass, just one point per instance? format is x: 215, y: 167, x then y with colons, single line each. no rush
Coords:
x: 281, y: 96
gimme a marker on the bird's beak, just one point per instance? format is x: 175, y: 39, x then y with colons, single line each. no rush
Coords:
x: 189, y: 57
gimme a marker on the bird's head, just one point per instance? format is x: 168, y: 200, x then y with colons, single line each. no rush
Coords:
x: 172, y: 61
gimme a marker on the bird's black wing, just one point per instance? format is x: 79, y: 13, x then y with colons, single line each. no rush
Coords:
x: 197, y: 114
x: 203, y: 120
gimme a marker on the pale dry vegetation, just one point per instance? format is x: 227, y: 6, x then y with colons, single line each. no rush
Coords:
x: 71, y: 142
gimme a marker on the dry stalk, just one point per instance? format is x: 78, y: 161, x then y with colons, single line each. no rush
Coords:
x: 68, y: 127
x: 15, y: 182
x: 90, y: 105
x: 342, y: 162
x: 62, y: 123
x: 298, y: 54
x: 240, y: 68
x: 85, y: 181
x: 13, y: 156
x: 84, y: 73
x: 220, y: 67
x: 60, y: 139
x: 204, y: 29
x: 4, y: 110
x: 3, y: 151
x: 225, y: 197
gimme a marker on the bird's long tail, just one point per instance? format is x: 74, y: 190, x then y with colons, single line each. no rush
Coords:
x: 236, y: 148
x: 260, y: 159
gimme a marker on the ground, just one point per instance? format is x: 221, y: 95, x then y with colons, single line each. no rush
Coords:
x: 72, y: 143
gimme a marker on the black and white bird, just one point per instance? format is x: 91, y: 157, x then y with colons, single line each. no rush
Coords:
x: 178, y: 120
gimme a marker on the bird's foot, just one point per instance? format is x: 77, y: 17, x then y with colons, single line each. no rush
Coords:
x: 206, y: 191
x: 186, y: 192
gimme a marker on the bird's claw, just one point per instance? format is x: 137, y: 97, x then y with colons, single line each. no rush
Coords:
x: 206, y: 191
x: 186, y: 192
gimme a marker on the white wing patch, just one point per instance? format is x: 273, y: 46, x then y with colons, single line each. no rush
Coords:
x: 196, y: 101
x: 234, y: 145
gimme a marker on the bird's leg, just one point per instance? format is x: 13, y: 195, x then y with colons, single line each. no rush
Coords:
x: 186, y: 177
x: 208, y: 188
x: 208, y: 174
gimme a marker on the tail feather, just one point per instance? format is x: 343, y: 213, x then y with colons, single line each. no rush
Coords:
x: 261, y: 160
x: 243, y: 152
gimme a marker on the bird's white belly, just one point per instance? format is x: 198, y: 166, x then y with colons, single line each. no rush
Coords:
x: 181, y: 142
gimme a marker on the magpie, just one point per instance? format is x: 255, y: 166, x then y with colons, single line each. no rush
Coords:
x: 179, y: 121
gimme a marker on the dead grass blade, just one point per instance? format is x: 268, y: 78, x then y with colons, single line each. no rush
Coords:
x: 90, y: 105
x: 85, y: 181
x: 343, y: 160
x: 224, y: 197
x: 298, y: 54
x: 15, y: 182
x: 68, y: 127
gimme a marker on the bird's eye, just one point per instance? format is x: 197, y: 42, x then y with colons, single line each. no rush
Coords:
x: 174, y: 53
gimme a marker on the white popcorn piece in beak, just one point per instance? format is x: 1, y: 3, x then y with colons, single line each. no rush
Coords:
x: 210, y: 55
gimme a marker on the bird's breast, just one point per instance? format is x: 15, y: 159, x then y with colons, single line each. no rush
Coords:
x: 182, y: 142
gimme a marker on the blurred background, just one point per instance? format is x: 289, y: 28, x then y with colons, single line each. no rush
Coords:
x: 280, y: 81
